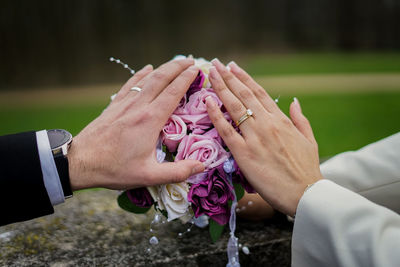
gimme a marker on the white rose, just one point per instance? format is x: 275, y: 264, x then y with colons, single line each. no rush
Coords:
x: 173, y: 199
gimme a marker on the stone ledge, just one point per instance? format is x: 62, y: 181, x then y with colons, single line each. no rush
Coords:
x: 90, y: 229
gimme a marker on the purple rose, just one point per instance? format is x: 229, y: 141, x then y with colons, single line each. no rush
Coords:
x: 211, y: 196
x: 238, y: 177
x: 181, y: 109
x: 197, y: 84
x: 140, y: 197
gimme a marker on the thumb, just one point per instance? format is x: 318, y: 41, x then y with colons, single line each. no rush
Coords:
x: 175, y: 172
x: 300, y: 121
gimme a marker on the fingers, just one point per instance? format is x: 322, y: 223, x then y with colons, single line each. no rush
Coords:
x: 268, y: 103
x: 175, y: 172
x: 231, y: 137
x: 160, y: 78
x: 234, y: 106
x: 241, y: 91
x: 125, y: 90
x: 300, y: 121
x: 169, y: 99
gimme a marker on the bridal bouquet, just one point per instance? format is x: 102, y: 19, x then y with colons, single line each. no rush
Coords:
x: 189, y: 134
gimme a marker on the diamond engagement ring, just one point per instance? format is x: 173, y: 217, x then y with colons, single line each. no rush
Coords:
x: 136, y: 89
x: 247, y: 115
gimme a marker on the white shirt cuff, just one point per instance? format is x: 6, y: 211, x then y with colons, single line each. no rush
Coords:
x: 49, y: 169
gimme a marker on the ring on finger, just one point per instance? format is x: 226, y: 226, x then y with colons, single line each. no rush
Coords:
x: 247, y: 115
x: 136, y: 89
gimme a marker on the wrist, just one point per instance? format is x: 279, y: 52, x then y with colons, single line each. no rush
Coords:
x: 307, y: 187
x: 77, y: 168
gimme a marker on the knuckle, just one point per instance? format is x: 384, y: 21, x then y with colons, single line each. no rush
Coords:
x: 143, y: 117
x: 228, y: 76
x: 286, y: 121
x: 180, y: 63
x: 260, y: 92
x: 245, y: 94
x: 245, y: 78
x: 189, y: 74
x: 237, y: 107
x: 219, y: 86
x: 173, y: 90
x: 159, y: 75
x: 180, y: 174
x: 274, y: 130
x: 228, y: 132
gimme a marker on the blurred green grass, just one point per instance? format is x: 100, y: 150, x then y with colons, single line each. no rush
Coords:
x: 322, y: 63
x: 341, y: 122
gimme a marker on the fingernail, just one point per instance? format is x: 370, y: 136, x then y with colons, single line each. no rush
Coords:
x: 213, y: 73
x: 148, y: 66
x: 198, y: 168
x: 297, y: 103
x: 210, y: 102
x: 233, y: 66
x: 193, y: 68
x: 180, y: 57
x: 216, y: 61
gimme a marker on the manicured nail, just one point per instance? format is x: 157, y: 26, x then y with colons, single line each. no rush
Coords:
x: 233, y: 66
x: 198, y: 168
x: 148, y: 66
x: 297, y: 103
x: 216, y: 62
x: 210, y: 102
x: 180, y: 57
x: 213, y: 73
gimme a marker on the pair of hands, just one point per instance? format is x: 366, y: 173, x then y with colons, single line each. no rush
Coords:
x: 278, y: 156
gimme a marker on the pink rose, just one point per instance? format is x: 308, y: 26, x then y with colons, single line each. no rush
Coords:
x: 197, y: 101
x: 202, y: 148
x: 196, y: 115
x: 213, y: 133
x: 173, y: 132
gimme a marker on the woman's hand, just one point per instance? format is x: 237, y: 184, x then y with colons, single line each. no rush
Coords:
x: 278, y: 156
x: 117, y: 149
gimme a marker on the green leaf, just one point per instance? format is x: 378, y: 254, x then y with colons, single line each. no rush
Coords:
x: 215, y: 230
x: 125, y: 203
x: 239, y: 191
x: 165, y: 213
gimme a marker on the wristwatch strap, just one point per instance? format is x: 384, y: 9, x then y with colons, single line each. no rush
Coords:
x: 63, y: 172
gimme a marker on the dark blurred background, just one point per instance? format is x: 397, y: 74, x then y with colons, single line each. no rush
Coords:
x: 341, y: 58
x: 47, y: 42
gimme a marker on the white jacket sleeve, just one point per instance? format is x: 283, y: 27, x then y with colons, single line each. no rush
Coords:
x: 373, y: 171
x: 337, y: 227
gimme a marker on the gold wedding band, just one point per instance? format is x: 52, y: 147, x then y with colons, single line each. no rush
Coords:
x: 136, y: 89
x: 247, y: 115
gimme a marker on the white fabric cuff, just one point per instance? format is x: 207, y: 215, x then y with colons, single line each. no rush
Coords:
x: 49, y: 169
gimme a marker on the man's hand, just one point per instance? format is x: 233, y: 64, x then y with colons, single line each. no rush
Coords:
x: 117, y: 149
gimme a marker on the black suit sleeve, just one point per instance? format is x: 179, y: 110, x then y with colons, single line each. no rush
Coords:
x: 23, y: 195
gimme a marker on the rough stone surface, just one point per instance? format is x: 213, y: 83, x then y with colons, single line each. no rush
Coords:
x: 91, y: 230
